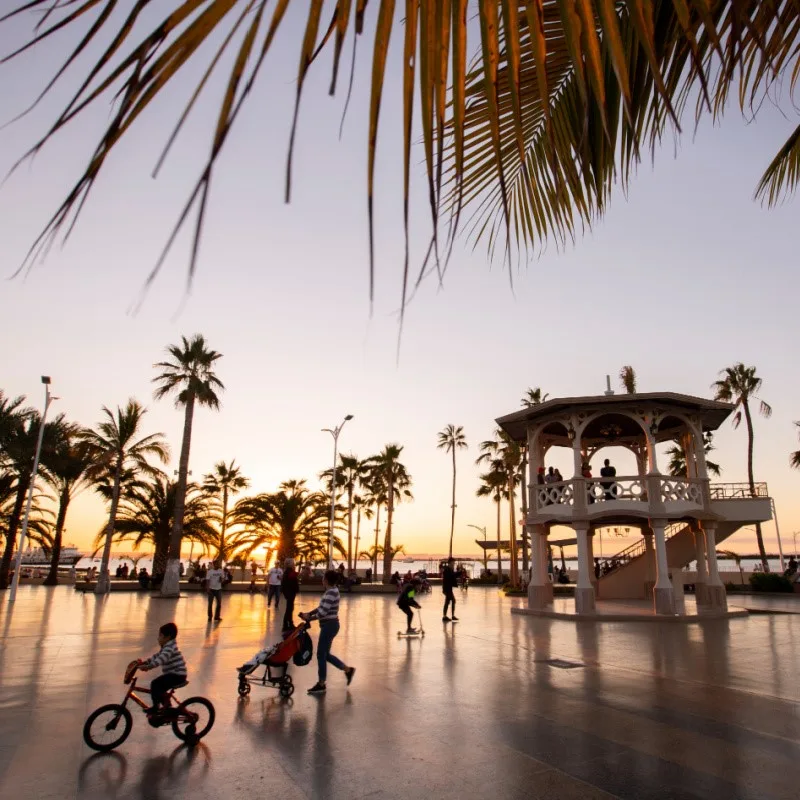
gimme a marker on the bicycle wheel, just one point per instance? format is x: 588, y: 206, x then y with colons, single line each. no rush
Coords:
x: 107, y: 727
x: 194, y: 718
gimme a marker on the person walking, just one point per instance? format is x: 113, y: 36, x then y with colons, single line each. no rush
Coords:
x: 274, y: 579
x: 327, y: 612
x: 290, y: 586
x: 214, y: 579
x: 449, y: 582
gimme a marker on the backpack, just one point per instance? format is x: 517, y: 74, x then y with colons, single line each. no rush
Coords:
x: 305, y: 650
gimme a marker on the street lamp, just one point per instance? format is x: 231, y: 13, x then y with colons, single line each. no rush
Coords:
x: 335, y: 433
x: 485, y: 558
x: 48, y: 398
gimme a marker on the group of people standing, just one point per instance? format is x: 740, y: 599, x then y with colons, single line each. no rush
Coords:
x: 610, y: 488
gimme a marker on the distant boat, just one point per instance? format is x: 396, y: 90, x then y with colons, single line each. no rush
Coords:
x: 37, y: 556
x: 408, y: 560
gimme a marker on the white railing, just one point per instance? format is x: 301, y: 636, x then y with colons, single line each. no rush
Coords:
x: 550, y: 494
x: 675, y: 490
x: 628, y: 488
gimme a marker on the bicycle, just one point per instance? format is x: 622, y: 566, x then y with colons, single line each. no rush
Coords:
x: 191, y: 719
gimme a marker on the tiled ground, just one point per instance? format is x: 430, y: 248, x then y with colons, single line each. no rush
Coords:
x: 473, y: 710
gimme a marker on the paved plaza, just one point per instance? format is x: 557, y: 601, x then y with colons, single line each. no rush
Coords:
x: 499, y: 705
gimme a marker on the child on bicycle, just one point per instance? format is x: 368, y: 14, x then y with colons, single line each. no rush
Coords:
x: 406, y: 602
x: 173, y: 668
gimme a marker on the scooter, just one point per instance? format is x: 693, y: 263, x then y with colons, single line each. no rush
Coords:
x: 417, y: 632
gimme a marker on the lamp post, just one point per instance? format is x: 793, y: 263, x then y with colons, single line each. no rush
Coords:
x: 335, y: 433
x: 485, y: 558
x: 48, y: 398
x: 778, y: 533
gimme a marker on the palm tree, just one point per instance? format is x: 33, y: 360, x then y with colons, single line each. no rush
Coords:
x: 117, y: 453
x: 739, y: 386
x: 350, y: 475
x: 534, y: 397
x: 387, y: 471
x: 68, y: 474
x: 189, y: 375
x: 20, y: 438
x: 224, y: 482
x: 451, y: 438
x: 737, y: 558
x: 677, y: 457
x: 627, y: 377
x: 293, y: 519
x: 504, y: 454
x: 795, y: 456
x: 146, y: 513
x: 39, y: 522
x: 494, y: 484
x: 560, y: 103
x: 363, y: 508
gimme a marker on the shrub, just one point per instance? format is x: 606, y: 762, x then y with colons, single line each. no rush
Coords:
x: 770, y: 582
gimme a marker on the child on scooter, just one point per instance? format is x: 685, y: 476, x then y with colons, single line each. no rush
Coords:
x: 406, y: 602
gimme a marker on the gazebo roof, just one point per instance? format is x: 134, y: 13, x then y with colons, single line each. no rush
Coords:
x: 712, y: 412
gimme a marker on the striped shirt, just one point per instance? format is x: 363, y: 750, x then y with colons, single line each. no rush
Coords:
x: 169, y: 658
x: 328, y: 607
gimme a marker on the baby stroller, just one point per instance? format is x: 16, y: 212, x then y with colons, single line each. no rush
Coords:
x: 296, y: 646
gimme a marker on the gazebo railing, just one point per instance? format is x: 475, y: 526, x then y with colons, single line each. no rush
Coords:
x: 549, y: 494
x: 737, y: 491
x: 617, y: 488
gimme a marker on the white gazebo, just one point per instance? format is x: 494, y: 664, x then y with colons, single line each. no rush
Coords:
x: 681, y: 519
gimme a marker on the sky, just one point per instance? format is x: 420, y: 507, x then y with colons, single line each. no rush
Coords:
x: 683, y: 276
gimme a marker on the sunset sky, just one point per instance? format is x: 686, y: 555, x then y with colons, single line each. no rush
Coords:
x: 684, y: 276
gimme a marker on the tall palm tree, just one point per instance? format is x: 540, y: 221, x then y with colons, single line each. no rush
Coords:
x: 534, y: 397
x: 560, y: 102
x: 451, y: 439
x: 351, y: 473
x: 494, y: 484
x: 627, y: 377
x: 225, y: 481
x: 20, y: 438
x: 740, y: 385
x: 40, y: 527
x: 677, y: 457
x: 363, y: 508
x: 794, y: 457
x: 189, y: 376
x: 506, y: 454
x: 145, y: 515
x: 68, y: 474
x: 388, y: 472
x: 290, y: 519
x: 117, y: 451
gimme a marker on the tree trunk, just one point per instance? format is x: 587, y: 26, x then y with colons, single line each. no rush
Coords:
x: 23, y: 482
x: 512, y: 536
x: 103, y: 585
x: 350, y: 529
x: 524, y: 490
x: 387, y: 539
x: 375, y: 551
x: 759, y: 536
x: 224, y: 523
x: 171, y: 585
x: 453, y: 507
x: 63, y: 505
x: 358, y: 538
x: 499, y: 549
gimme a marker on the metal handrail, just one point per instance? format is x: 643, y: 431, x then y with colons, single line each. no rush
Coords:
x: 737, y: 491
x: 637, y: 549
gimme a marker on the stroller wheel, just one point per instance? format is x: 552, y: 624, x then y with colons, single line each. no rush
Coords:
x: 244, y: 688
x: 286, y: 690
x: 288, y: 679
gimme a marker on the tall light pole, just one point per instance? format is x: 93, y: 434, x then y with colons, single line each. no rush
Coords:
x: 485, y: 557
x: 335, y: 433
x: 778, y: 532
x: 48, y: 398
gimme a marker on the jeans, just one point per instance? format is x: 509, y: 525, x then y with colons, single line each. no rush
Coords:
x: 162, y: 684
x: 273, y: 591
x: 327, y: 633
x: 449, y: 597
x: 214, y: 594
x: 288, y: 621
x: 409, y: 613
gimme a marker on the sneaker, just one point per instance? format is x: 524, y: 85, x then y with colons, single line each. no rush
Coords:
x: 348, y: 673
x: 445, y: 619
x: 317, y: 688
x: 454, y: 619
x: 217, y: 619
x: 411, y: 631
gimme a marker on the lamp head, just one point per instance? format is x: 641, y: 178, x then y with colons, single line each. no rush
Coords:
x: 46, y: 379
x: 349, y: 416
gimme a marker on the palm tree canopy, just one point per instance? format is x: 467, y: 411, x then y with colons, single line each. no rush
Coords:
x: 452, y: 438
x: 677, y: 458
x: 795, y: 456
x: 114, y: 443
x: 739, y: 385
x: 189, y: 373
x: 627, y: 377
x: 534, y: 397
x: 387, y: 472
x: 225, y: 477
x: 561, y: 100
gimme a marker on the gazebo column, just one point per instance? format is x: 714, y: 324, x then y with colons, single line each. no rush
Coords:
x: 538, y: 592
x: 649, y: 562
x: 590, y: 546
x: 701, y: 581
x: 663, y: 595
x: 584, y: 591
x: 717, y: 597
